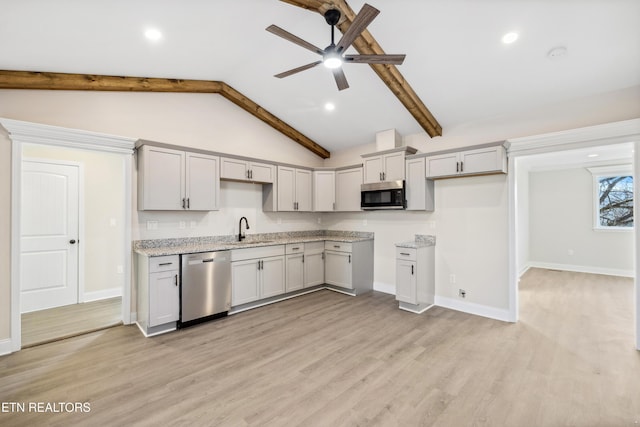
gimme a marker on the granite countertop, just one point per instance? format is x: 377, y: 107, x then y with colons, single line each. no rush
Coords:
x: 421, y: 241
x: 162, y: 247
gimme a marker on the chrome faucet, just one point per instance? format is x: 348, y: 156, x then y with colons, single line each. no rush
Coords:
x: 240, y: 235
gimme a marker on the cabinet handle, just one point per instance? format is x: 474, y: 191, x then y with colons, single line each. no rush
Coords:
x: 250, y: 174
x: 164, y: 263
x: 261, y: 265
x: 334, y: 206
x: 295, y: 249
x: 184, y: 201
x: 384, y: 176
x: 380, y: 175
x: 175, y: 279
x: 336, y: 246
x: 349, y: 258
x: 461, y: 166
x: 323, y: 256
x: 247, y: 173
x: 188, y: 204
x: 412, y: 270
x: 457, y: 166
x: 404, y: 253
x: 303, y: 258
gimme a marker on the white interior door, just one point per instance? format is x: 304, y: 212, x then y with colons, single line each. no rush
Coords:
x: 49, y: 235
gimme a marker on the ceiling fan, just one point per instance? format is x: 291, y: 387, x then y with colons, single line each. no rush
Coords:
x: 333, y: 55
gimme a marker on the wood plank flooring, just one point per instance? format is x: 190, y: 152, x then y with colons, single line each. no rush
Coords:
x: 40, y: 327
x: 326, y: 359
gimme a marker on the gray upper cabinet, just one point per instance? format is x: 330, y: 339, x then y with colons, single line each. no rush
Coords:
x: 481, y: 161
x: 175, y: 180
x: 294, y: 189
x: 385, y: 165
x: 348, y: 183
x: 324, y: 191
x: 419, y: 190
x: 246, y: 170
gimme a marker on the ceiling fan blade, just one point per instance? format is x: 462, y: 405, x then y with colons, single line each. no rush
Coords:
x: 297, y: 70
x: 360, y: 22
x: 375, y: 59
x: 274, y: 29
x: 341, y: 80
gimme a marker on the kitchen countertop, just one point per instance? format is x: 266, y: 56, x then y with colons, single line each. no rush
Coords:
x: 162, y: 247
x: 421, y: 241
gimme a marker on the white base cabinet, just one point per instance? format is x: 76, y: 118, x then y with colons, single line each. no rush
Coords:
x: 158, y: 296
x: 313, y: 264
x: 257, y: 273
x: 415, y: 278
x: 349, y: 266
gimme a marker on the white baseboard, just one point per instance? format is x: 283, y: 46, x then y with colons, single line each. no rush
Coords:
x: 473, y: 308
x: 103, y: 294
x: 524, y: 270
x: 5, y: 346
x: 582, y: 269
x: 384, y: 287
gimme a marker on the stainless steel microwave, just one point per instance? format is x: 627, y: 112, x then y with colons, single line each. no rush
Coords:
x: 383, y: 195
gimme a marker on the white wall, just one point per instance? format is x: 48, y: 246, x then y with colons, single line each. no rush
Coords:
x: 522, y: 218
x: 103, y: 242
x: 561, y: 220
x: 5, y: 237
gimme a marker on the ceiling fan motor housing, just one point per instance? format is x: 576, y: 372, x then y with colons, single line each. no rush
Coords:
x: 332, y: 16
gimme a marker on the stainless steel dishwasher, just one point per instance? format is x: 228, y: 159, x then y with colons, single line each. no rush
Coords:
x: 205, y: 291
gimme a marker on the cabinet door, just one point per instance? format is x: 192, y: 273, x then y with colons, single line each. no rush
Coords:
x: 393, y: 167
x: 286, y: 188
x: 295, y: 272
x: 203, y: 182
x: 442, y: 165
x: 304, y: 190
x: 372, y: 169
x: 416, y: 184
x: 482, y: 160
x: 261, y: 172
x: 406, y: 281
x: 244, y: 282
x: 272, y: 274
x: 161, y: 183
x: 338, y: 269
x: 324, y: 191
x: 164, y: 297
x: 313, y: 269
x: 233, y: 169
x: 348, y: 184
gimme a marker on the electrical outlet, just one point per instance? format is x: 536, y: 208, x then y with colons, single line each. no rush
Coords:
x: 462, y: 293
x: 120, y: 269
x: 152, y: 225
x: 452, y: 278
x: 319, y: 220
x: 364, y: 222
x: 182, y: 225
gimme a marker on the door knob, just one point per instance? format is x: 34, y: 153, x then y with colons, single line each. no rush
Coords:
x: 72, y: 241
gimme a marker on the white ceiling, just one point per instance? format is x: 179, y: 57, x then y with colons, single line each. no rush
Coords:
x: 455, y: 61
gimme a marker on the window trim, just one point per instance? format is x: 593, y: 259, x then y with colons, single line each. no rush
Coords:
x: 602, y: 172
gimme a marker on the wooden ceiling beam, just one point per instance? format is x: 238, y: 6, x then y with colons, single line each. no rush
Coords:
x: 89, y: 82
x: 366, y: 44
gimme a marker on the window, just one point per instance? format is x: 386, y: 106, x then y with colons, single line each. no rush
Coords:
x: 613, y: 195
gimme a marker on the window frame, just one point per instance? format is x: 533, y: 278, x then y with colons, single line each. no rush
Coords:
x: 607, y: 172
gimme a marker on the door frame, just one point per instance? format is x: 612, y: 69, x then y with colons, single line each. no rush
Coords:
x: 600, y: 135
x: 21, y: 132
x: 81, y: 258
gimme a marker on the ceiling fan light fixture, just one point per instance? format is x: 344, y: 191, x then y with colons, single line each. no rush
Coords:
x: 332, y: 61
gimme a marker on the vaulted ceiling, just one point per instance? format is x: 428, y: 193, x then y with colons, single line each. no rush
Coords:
x: 456, y: 62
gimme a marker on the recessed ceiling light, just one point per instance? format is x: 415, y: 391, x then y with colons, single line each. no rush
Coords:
x: 510, y: 37
x: 153, y: 34
x: 329, y: 106
x: 593, y: 155
x: 557, y: 52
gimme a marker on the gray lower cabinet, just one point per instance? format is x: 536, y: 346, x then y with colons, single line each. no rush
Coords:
x: 349, y: 266
x: 313, y: 264
x: 415, y: 278
x: 295, y: 266
x: 158, y: 298
x: 257, y: 273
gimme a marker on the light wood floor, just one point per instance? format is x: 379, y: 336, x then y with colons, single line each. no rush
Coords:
x: 40, y: 327
x: 326, y: 359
